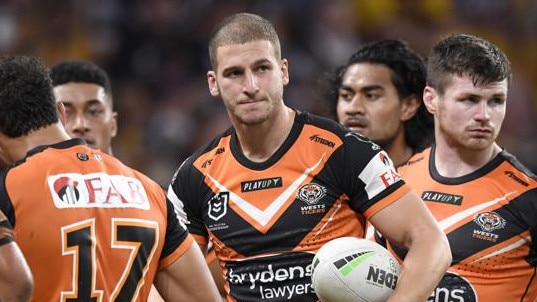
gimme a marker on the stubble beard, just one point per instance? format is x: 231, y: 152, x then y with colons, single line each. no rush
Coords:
x: 463, y: 142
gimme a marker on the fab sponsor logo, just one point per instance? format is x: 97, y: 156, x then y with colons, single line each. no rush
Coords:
x: 275, y: 278
x: 378, y: 174
x: 97, y: 190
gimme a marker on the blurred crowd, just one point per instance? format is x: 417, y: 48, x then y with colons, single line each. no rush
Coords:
x: 156, y: 54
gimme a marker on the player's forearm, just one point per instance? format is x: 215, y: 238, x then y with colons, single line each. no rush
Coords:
x: 424, y: 265
x: 16, y: 282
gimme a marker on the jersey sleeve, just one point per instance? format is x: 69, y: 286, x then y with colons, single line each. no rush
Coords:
x: 184, y: 193
x: 527, y: 209
x: 5, y: 203
x: 369, y: 177
x: 177, y: 241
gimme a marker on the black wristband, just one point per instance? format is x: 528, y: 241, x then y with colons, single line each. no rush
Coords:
x: 5, y: 223
x: 6, y: 240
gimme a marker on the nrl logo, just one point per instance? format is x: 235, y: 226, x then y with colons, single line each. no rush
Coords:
x: 218, y: 205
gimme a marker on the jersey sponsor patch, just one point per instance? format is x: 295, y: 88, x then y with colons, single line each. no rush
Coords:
x: 97, y: 190
x: 378, y: 174
x: 442, y: 197
x: 454, y: 288
x: 261, y: 184
x: 284, y: 277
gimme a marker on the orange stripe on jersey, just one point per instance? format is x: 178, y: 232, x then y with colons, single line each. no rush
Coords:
x: 201, y: 240
x: 224, y: 253
x: 177, y: 253
x: 374, y: 209
x: 211, y: 256
x: 262, y: 210
x: 340, y: 221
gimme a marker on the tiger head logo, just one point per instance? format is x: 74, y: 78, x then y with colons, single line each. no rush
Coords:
x: 489, y: 221
x: 311, y: 193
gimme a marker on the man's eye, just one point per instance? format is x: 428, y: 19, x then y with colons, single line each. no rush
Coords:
x: 232, y: 74
x: 262, y: 68
x: 373, y: 96
x: 95, y: 112
x: 344, y: 95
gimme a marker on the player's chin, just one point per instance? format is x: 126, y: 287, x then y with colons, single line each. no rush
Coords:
x: 478, y: 144
x: 252, y: 118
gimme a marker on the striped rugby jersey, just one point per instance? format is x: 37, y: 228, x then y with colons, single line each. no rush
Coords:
x: 267, y: 219
x: 490, y: 219
x: 91, y: 228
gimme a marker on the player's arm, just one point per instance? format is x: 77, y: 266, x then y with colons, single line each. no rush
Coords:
x: 409, y: 223
x: 16, y: 281
x: 187, y: 279
x: 216, y: 271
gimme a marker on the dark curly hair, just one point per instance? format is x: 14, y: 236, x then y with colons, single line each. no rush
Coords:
x: 79, y: 71
x: 26, y: 97
x: 408, y: 73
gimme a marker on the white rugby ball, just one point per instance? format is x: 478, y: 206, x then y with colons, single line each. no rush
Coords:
x: 354, y: 270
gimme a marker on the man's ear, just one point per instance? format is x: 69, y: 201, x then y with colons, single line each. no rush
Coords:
x: 60, y: 108
x: 284, y: 67
x: 113, y: 125
x: 409, y: 107
x: 213, y: 85
x: 430, y: 97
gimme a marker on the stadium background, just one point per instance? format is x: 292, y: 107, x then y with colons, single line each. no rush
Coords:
x: 155, y: 52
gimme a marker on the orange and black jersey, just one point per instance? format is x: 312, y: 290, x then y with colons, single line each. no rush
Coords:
x: 490, y: 219
x: 267, y: 219
x: 91, y: 228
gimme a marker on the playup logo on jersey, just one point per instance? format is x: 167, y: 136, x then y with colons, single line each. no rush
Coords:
x: 442, y: 197
x: 218, y: 205
x: 97, y: 190
x: 261, y: 184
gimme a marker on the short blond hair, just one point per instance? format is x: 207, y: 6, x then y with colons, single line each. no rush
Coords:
x: 242, y: 28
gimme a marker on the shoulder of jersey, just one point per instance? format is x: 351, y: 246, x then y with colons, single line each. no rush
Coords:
x: 210, y: 146
x: 321, y: 122
x: 518, y: 165
x: 416, y: 159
